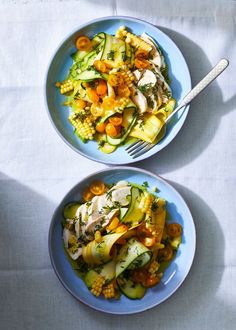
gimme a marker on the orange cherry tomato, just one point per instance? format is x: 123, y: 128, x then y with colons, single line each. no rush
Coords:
x: 148, y: 241
x: 108, y: 103
x: 97, y: 188
x: 111, y: 130
x: 100, y: 127
x: 92, y: 95
x: 113, y: 80
x: 83, y: 43
x: 165, y: 254
x: 113, y: 224
x: 101, y: 88
x: 116, y: 120
x: 141, y: 54
x: 174, y: 229
x: 139, y: 275
x: 123, y: 91
x: 100, y: 66
x: 81, y: 104
x: 87, y: 195
x: 151, y: 281
x: 141, y: 63
x: 121, y: 229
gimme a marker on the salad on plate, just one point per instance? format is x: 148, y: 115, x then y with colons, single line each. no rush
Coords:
x: 118, y: 89
x: 119, y: 238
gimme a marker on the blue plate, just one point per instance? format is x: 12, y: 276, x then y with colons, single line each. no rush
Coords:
x: 58, y: 70
x: 174, y: 274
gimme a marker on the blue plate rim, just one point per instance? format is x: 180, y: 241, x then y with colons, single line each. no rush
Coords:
x: 112, y: 17
x: 53, y: 221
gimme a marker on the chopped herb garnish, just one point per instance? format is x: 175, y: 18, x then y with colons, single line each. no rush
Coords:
x: 101, y: 143
x: 124, y: 57
x: 146, y: 88
x: 110, y: 56
x: 154, y: 206
x: 81, y: 116
x: 155, y: 189
x: 145, y: 184
x: 150, y: 102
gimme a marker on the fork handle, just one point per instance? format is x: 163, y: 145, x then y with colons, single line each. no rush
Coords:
x: 212, y: 75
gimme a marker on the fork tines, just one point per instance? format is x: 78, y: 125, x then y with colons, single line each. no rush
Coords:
x: 137, y: 148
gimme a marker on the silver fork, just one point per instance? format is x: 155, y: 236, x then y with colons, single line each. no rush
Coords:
x: 140, y: 147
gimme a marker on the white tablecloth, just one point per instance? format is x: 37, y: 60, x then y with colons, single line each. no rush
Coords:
x: 37, y: 168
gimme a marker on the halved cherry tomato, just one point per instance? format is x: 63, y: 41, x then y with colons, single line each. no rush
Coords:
x: 123, y: 91
x: 100, y: 127
x: 121, y: 229
x: 101, y: 88
x: 174, y: 229
x: 92, y: 95
x: 81, y: 104
x: 151, y: 281
x: 100, y: 66
x: 87, y: 195
x: 97, y: 188
x: 96, y: 110
x: 108, y: 103
x: 111, y: 130
x: 116, y: 120
x: 141, y: 63
x: 165, y: 254
x: 83, y: 43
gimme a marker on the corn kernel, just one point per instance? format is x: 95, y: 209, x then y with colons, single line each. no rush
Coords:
x: 96, y: 289
x: 109, y: 291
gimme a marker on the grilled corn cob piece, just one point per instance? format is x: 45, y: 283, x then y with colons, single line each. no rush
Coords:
x: 153, y: 268
x: 146, y: 203
x: 128, y: 78
x: 84, y: 126
x: 109, y: 291
x: 121, y: 104
x: 96, y: 289
x: 66, y: 86
x: 132, y: 39
x: 121, y: 32
x: 137, y: 42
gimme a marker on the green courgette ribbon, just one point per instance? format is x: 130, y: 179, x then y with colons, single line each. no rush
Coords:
x: 132, y: 255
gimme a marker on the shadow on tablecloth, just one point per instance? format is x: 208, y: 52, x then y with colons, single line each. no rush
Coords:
x: 203, y: 118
